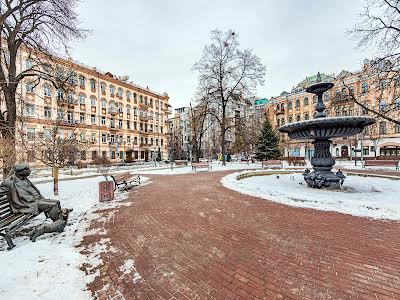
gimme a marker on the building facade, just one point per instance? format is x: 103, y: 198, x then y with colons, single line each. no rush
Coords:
x: 368, y: 87
x: 110, y: 116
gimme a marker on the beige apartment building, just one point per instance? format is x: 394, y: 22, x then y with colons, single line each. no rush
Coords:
x: 109, y: 115
x: 370, y: 87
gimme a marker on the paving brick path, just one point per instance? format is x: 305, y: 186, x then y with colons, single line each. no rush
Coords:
x: 191, y: 238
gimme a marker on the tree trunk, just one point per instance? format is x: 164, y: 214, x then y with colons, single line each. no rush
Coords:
x: 223, y: 136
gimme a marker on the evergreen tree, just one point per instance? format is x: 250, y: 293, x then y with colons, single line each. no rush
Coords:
x: 267, y: 146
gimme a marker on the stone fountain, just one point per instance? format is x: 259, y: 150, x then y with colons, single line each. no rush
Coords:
x: 322, y: 129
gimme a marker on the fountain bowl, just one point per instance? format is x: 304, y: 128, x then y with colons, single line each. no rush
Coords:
x: 327, y: 128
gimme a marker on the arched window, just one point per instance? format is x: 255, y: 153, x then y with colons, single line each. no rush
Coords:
x: 82, y: 98
x: 93, y: 85
x: 289, y: 105
x: 290, y: 119
x: 112, y: 90
x: 278, y: 107
x: 93, y: 101
x: 47, y: 90
x: 120, y: 92
x: 364, y: 87
x: 120, y: 107
x: 128, y: 95
x: 277, y: 122
x: 283, y: 121
x: 81, y: 81
x: 315, y: 99
x: 382, y: 127
x: 29, y: 87
x: 297, y: 103
x: 111, y: 106
x: 306, y: 117
x: 326, y: 96
x: 298, y: 118
x: 305, y: 101
x: 282, y: 106
x: 128, y: 109
x: 103, y: 87
x: 103, y: 103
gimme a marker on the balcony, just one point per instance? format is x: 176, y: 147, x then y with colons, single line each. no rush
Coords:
x: 113, y: 128
x: 113, y: 111
x: 67, y: 101
x: 279, y: 111
x: 68, y: 122
x: 145, y: 118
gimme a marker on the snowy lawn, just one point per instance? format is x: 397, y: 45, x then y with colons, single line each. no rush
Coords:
x: 370, y: 197
x: 216, y: 166
x: 50, y: 267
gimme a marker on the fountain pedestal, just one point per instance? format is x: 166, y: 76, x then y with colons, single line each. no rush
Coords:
x: 322, y: 163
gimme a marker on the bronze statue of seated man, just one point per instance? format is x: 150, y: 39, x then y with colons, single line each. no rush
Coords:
x: 24, y: 197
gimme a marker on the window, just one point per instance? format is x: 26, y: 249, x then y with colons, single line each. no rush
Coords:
x: 135, y: 140
x: 103, y: 121
x: 397, y: 128
x: 111, y: 106
x: 93, y: 85
x: 112, y: 90
x: 289, y: 105
x: 82, y: 136
x: 297, y: 103
x: 81, y: 81
x: 364, y: 87
x: 30, y: 134
x: 120, y: 108
x: 128, y: 139
x: 397, y: 104
x: 103, y: 87
x: 29, y: 63
x: 47, y: 112
x: 326, y: 96
x: 119, y: 93
x: 134, y: 97
x: 290, y: 119
x: 93, y: 119
x: 29, y: 87
x: 47, y: 90
x: 382, y: 84
x: 298, y: 118
x: 382, y: 106
x: 93, y: 101
x: 82, y: 117
x: 366, y: 151
x: 365, y: 110
x: 315, y: 99
x: 60, y: 95
x: 30, y: 110
x: 103, y: 103
x: 128, y: 109
x: 162, y: 142
x: 103, y: 138
x: 306, y: 117
x: 140, y: 98
x: 60, y: 114
x: 82, y: 99
x: 305, y: 101
x: 128, y: 95
x: 120, y: 123
x: 83, y: 155
x: 382, y: 127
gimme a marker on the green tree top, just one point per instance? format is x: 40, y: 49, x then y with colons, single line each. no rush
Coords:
x: 267, y: 146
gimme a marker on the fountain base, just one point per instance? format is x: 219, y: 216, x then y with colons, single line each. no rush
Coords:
x: 323, y: 179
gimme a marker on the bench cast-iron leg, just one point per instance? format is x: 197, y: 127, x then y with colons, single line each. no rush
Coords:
x: 9, y: 241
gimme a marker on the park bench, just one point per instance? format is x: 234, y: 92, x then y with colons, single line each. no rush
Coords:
x: 269, y: 163
x: 125, y: 180
x: 381, y: 163
x: 196, y: 166
x: 10, y: 221
x: 181, y: 162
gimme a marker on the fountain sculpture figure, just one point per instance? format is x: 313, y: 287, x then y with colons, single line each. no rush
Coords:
x: 321, y: 130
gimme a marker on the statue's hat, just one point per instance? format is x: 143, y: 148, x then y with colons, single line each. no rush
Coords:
x: 20, y: 167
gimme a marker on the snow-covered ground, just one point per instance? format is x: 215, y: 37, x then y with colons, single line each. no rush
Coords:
x: 50, y: 267
x: 351, y: 165
x: 376, y: 198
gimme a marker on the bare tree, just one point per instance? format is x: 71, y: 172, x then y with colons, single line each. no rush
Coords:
x: 229, y: 74
x: 378, y: 29
x: 40, y: 28
x: 198, y: 117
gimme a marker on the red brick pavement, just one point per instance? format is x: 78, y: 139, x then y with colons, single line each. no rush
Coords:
x: 191, y: 238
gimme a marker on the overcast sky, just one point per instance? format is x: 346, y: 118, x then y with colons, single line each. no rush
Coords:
x: 157, y: 42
